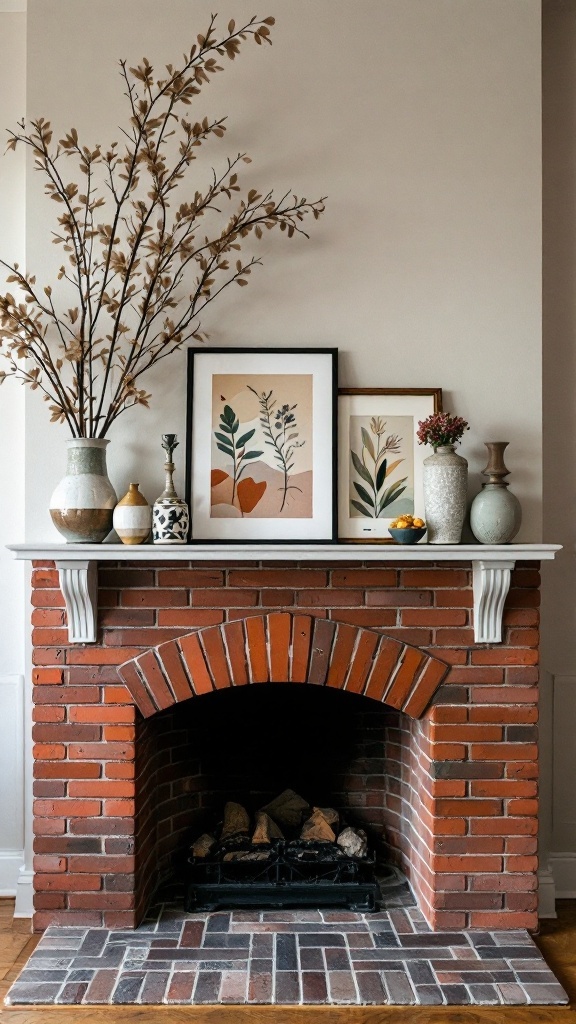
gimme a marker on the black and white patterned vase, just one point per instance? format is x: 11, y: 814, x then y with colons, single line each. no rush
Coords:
x: 170, y: 521
x: 170, y: 515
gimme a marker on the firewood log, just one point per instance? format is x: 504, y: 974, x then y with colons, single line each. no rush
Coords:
x: 331, y: 815
x: 236, y: 821
x: 240, y: 855
x: 288, y: 810
x: 265, y: 830
x: 353, y: 841
x: 317, y: 828
x: 201, y: 847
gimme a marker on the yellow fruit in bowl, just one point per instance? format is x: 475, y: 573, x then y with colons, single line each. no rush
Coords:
x: 418, y: 524
x: 403, y: 524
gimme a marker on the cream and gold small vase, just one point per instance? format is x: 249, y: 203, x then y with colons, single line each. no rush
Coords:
x: 133, y: 517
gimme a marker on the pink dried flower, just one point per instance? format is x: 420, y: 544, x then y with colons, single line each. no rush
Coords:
x: 441, y: 429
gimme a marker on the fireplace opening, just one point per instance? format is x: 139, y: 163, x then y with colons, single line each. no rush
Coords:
x: 244, y: 749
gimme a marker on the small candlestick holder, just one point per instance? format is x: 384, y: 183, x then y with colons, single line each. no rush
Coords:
x: 170, y: 516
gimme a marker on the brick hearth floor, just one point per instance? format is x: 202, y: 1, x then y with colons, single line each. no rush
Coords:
x: 285, y: 957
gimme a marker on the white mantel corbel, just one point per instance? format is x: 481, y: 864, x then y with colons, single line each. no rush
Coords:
x: 492, y: 565
x: 491, y: 583
x: 79, y: 586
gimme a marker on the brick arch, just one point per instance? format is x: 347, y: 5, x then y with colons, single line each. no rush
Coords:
x: 284, y: 648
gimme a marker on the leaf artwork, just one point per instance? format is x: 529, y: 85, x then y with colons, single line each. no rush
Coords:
x: 372, y: 468
x: 141, y: 264
x: 235, y: 448
x: 279, y: 428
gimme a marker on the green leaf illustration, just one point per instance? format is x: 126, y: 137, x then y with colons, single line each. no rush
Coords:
x: 235, y: 449
x: 367, y: 442
x: 381, y: 474
x: 393, y: 492
x: 361, y: 468
x: 389, y: 502
x: 245, y: 437
x: 361, y: 508
x: 364, y: 494
x: 252, y: 455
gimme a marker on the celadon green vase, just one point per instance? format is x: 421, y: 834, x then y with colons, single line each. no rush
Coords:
x: 496, y: 513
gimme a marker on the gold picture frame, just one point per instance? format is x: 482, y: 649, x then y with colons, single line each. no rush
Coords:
x: 380, y: 462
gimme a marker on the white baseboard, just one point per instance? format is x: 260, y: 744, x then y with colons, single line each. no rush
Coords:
x: 563, y: 869
x: 11, y: 862
x: 25, y: 894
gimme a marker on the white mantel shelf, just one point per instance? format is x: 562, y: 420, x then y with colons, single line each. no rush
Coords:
x: 295, y: 552
x: 77, y: 565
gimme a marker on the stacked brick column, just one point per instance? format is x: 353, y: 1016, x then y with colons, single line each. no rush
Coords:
x: 460, y: 800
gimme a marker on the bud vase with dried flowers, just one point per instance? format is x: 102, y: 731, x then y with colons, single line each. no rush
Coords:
x: 445, y: 477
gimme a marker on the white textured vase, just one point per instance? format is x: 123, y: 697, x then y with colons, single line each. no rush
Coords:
x: 445, y: 491
x: 83, y: 503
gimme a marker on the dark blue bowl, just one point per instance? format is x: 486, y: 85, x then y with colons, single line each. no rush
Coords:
x: 407, y: 536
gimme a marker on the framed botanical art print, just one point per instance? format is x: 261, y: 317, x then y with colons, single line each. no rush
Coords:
x: 379, y: 458
x: 261, y: 459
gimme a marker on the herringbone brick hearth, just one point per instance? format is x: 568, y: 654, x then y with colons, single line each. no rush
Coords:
x: 288, y: 958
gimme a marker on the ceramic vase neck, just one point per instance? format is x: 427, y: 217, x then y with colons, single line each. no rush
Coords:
x: 86, y: 455
x: 495, y: 469
x: 169, y: 490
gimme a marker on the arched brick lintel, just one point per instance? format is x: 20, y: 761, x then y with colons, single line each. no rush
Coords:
x: 284, y: 648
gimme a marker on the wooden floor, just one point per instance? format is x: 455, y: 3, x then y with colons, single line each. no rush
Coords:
x: 557, y: 942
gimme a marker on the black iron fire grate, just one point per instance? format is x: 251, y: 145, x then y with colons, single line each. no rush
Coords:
x: 284, y: 874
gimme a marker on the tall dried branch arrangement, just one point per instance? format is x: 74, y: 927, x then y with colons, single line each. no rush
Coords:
x: 142, y: 278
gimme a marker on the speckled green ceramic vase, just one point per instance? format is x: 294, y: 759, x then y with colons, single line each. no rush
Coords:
x: 495, y: 514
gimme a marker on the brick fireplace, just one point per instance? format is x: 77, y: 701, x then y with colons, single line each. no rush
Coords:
x: 444, y: 760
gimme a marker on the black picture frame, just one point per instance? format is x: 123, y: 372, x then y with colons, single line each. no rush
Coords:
x: 205, y: 363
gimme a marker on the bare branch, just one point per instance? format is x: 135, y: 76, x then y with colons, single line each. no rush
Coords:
x: 142, y: 270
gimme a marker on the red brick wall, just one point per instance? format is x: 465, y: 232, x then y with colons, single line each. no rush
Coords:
x: 459, y: 801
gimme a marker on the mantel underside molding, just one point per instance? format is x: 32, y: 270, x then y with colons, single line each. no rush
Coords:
x: 491, y: 564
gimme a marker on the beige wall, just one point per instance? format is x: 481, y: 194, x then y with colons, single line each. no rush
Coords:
x: 420, y: 120
x: 559, y: 329
x: 559, y: 326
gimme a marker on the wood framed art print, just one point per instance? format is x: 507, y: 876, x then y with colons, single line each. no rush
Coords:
x: 261, y: 459
x: 379, y: 458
